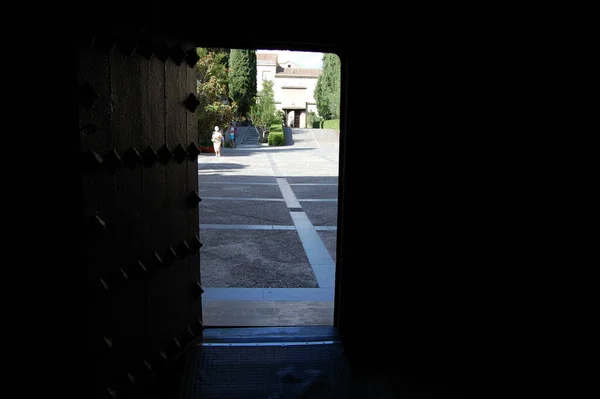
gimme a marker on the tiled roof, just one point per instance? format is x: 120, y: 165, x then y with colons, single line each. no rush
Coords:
x: 300, y: 72
x: 289, y: 64
x: 270, y: 58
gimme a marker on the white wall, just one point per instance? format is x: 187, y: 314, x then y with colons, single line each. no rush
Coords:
x: 288, y: 91
x: 261, y: 72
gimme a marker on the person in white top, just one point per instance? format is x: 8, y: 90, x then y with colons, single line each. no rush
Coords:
x: 217, y: 139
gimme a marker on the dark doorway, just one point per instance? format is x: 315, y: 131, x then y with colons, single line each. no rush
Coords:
x: 418, y: 289
x: 296, y: 119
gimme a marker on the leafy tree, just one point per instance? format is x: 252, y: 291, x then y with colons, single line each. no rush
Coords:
x: 280, y: 116
x: 242, y: 79
x: 212, y: 82
x: 313, y: 120
x: 320, y: 95
x: 262, y: 112
x: 328, y: 89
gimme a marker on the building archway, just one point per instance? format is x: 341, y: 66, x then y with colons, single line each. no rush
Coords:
x: 295, y: 117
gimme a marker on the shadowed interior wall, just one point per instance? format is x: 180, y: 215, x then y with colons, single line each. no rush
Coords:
x: 406, y: 269
x: 140, y: 188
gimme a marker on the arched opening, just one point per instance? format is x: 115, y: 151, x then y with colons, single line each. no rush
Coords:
x: 268, y: 218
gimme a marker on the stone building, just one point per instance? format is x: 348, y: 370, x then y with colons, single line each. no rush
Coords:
x: 293, y: 87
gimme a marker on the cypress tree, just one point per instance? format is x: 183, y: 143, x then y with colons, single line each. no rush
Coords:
x: 242, y: 79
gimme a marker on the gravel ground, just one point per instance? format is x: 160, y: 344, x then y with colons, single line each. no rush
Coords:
x: 254, y: 258
x: 250, y: 243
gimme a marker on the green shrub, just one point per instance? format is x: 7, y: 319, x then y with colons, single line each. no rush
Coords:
x: 332, y: 124
x: 312, y: 120
x: 205, y: 142
x: 276, y: 139
x: 276, y: 127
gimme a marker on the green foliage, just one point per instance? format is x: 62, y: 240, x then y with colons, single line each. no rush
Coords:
x: 321, y: 99
x: 332, y: 124
x: 328, y: 89
x: 276, y: 127
x: 280, y: 115
x: 242, y: 79
x: 276, y: 139
x: 262, y: 113
x: 212, y: 82
x: 313, y: 120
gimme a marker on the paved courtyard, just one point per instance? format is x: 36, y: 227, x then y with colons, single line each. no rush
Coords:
x: 268, y: 220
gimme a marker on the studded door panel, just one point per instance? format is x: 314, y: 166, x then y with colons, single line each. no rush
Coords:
x: 137, y: 103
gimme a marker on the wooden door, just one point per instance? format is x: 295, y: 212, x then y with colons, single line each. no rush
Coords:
x: 137, y: 120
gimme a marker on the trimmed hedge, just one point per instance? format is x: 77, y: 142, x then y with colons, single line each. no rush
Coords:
x: 276, y: 139
x: 332, y: 124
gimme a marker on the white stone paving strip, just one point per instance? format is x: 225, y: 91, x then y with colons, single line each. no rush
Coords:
x: 209, y: 226
x: 243, y: 199
x: 288, y: 195
x: 318, y: 256
x: 318, y: 199
x: 246, y: 227
x: 269, y: 294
